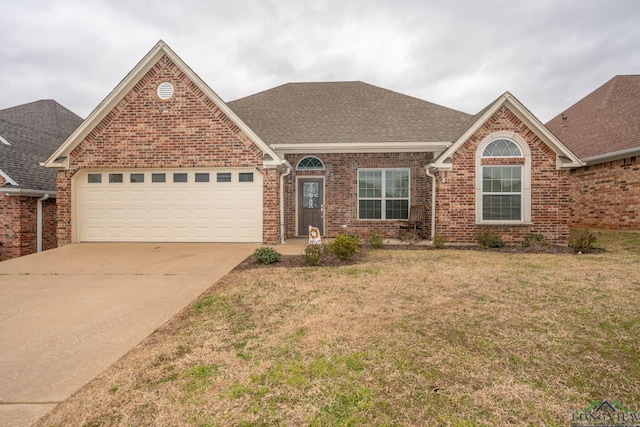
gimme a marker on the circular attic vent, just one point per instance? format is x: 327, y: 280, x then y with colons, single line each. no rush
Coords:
x: 165, y: 90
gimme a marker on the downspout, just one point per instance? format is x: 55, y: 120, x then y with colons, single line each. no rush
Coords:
x: 282, y: 176
x: 39, y: 221
x: 433, y: 200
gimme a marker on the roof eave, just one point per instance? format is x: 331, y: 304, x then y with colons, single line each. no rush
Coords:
x: 132, y: 78
x: 28, y: 193
x: 610, y: 157
x: 7, y: 178
x: 361, y: 147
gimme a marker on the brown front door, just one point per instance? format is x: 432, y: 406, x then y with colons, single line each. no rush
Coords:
x: 310, y: 205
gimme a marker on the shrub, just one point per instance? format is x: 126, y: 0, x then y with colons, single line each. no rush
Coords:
x: 344, y: 246
x: 535, y: 239
x: 489, y: 239
x: 376, y: 240
x: 582, y: 241
x: 266, y: 255
x: 439, y: 241
x: 313, y: 254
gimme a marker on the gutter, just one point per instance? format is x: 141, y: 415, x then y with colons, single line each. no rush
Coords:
x: 610, y: 157
x: 433, y: 199
x: 39, y: 221
x: 27, y: 193
x: 288, y: 167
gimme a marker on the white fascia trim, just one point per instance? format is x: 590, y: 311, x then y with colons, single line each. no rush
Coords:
x: 127, y: 84
x: 529, y: 119
x: 7, y: 178
x: 610, y: 157
x: 4, y: 141
x: 361, y: 147
x: 27, y: 193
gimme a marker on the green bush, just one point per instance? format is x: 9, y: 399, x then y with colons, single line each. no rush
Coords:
x: 376, y: 240
x: 534, y: 239
x: 439, y: 241
x: 266, y: 255
x: 489, y: 239
x: 313, y: 254
x: 344, y: 246
x: 582, y: 241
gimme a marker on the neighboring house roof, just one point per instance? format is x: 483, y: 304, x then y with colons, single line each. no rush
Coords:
x: 565, y: 158
x: 59, y: 158
x: 605, y: 123
x: 346, y: 113
x: 32, y: 132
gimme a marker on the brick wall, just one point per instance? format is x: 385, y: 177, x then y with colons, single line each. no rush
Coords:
x: 606, y: 195
x: 341, y: 190
x: 193, y: 132
x: 18, y: 225
x: 455, y: 204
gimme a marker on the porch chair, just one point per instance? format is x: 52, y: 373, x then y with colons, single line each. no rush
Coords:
x: 416, y: 221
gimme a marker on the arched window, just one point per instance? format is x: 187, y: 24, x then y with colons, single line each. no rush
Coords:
x: 503, y: 172
x: 310, y: 163
x: 502, y: 148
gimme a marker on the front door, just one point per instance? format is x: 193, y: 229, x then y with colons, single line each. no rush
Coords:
x: 310, y: 205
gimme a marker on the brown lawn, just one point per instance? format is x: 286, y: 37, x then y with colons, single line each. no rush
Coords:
x: 436, y: 337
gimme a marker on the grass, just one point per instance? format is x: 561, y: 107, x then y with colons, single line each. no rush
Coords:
x: 447, y: 337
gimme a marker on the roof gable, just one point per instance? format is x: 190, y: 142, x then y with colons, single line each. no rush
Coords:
x: 565, y: 158
x: 346, y: 113
x: 605, y: 122
x: 59, y: 159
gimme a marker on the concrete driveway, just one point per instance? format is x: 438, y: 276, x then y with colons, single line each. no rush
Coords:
x: 69, y: 313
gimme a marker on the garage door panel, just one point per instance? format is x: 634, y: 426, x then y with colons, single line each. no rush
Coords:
x: 172, y: 212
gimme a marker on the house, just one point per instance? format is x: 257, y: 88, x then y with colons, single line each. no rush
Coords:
x: 28, y: 134
x: 163, y: 158
x: 603, y: 129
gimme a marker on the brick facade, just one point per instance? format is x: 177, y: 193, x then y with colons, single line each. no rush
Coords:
x: 186, y: 131
x: 18, y: 225
x: 341, y: 190
x: 456, y: 204
x: 606, y: 195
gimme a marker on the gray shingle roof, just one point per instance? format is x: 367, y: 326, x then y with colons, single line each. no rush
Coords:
x: 605, y: 121
x: 34, y: 131
x: 346, y: 112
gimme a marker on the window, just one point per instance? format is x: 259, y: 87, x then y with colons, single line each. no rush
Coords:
x: 202, y: 177
x: 310, y: 163
x: 502, y: 193
x: 383, y: 193
x: 503, y: 179
x: 246, y: 176
x: 179, y: 177
x: 94, y: 178
x: 136, y: 177
x: 115, y: 178
x: 223, y: 177
x: 502, y: 148
x: 158, y: 177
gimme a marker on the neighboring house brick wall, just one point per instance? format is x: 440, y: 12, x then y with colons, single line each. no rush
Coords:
x: 606, y: 195
x: 194, y: 132
x: 455, y: 201
x: 341, y: 190
x: 18, y: 225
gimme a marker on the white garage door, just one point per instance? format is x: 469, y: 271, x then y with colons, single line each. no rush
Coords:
x: 169, y: 205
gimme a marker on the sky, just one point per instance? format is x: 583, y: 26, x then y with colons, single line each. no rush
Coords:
x: 462, y: 54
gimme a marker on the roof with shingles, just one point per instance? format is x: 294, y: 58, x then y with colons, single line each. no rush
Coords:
x: 33, y: 131
x: 346, y: 112
x: 605, y: 121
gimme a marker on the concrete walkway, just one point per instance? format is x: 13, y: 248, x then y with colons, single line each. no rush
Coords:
x: 69, y: 313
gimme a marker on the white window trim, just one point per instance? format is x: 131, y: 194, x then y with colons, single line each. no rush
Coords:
x: 526, y: 178
x: 382, y: 196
